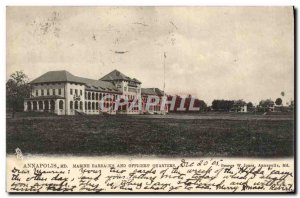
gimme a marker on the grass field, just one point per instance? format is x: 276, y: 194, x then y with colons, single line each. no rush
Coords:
x: 172, y: 135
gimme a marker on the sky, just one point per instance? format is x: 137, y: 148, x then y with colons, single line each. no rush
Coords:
x: 211, y: 52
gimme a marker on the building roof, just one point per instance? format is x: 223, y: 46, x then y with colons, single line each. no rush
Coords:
x: 117, y: 75
x: 56, y: 76
x: 152, y: 91
x: 65, y: 76
x: 159, y: 92
x: 99, y: 85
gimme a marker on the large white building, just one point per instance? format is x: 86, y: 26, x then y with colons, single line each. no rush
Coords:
x: 62, y: 93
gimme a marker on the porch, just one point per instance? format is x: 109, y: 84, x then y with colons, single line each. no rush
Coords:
x: 54, y: 104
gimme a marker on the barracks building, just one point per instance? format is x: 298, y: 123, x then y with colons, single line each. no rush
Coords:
x: 63, y: 93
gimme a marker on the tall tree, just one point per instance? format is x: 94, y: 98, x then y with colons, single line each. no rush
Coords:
x: 266, y: 103
x: 278, y: 101
x: 249, y: 105
x: 292, y: 104
x: 203, y: 105
x: 17, y: 89
x: 222, y: 105
x: 239, y: 103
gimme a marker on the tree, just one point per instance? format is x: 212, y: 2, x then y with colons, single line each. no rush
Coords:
x: 249, y: 105
x: 266, y: 103
x: 222, y: 105
x: 239, y: 103
x: 292, y: 105
x: 17, y: 89
x: 203, y: 105
x: 278, y: 101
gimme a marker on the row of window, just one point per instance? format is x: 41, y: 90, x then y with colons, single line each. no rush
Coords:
x: 76, y: 92
x: 88, y: 105
x: 76, y: 105
x: 146, y: 99
x: 88, y: 95
x: 98, y: 96
x: 46, y: 105
x: 48, y: 92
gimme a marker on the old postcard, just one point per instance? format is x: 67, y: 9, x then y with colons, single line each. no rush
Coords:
x: 150, y: 99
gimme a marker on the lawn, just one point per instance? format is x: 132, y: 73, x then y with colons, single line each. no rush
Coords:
x: 251, y: 136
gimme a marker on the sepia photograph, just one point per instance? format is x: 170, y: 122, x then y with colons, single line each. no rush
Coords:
x: 150, y: 99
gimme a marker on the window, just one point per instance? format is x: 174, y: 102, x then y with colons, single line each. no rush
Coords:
x: 76, y: 104
x: 89, y: 95
x: 29, y: 106
x: 81, y: 92
x: 80, y: 105
x: 93, y: 96
x: 48, y: 92
x: 59, y: 91
x: 71, y: 91
x: 41, y: 105
x: 85, y: 95
x: 71, y: 104
x: 42, y: 92
x: 36, y: 92
x: 34, y: 105
x: 53, y: 91
x: 76, y: 92
x: 52, y: 105
x: 61, y: 104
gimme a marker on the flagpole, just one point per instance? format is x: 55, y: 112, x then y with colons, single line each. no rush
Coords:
x: 164, y: 72
x: 164, y: 111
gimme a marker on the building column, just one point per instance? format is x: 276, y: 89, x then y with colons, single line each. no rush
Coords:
x: 37, y: 106
x: 56, y: 110
x: 25, y: 106
x: 83, y: 105
x: 31, y: 105
x: 139, y: 104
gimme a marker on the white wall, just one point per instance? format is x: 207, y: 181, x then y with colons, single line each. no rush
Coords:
x: 70, y: 97
x: 44, y: 87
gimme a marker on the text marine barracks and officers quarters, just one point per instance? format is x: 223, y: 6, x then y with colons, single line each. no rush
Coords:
x: 62, y: 93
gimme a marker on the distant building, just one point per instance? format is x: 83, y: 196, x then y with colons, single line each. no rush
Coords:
x: 270, y: 107
x: 147, y: 94
x: 243, y: 109
x: 63, y: 93
x: 239, y: 106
